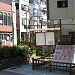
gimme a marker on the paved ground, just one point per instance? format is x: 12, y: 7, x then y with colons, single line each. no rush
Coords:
x: 27, y: 70
x: 9, y: 73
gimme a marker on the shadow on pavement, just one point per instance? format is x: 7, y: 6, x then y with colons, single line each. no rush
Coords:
x: 9, y: 73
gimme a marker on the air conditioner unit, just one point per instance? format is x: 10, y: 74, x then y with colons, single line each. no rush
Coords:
x: 3, y: 42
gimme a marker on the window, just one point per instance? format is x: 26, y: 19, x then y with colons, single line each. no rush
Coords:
x: 1, y: 36
x: 24, y: 7
x: 5, y: 36
x: 25, y: 26
x: 37, y: 1
x: 62, y: 4
x: 35, y: 12
x: 23, y: 21
x: 39, y: 12
x: 17, y: 5
x: 31, y: 1
x: 9, y: 20
x: 34, y: 1
x: 26, y: 23
x: 1, y: 18
x: 5, y: 19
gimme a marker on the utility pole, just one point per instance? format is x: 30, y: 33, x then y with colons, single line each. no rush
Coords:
x: 14, y: 23
x: 60, y: 28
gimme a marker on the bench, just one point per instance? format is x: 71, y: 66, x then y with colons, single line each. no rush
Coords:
x: 48, y: 64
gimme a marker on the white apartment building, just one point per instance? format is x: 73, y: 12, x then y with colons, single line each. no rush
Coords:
x: 22, y: 20
x: 38, y: 14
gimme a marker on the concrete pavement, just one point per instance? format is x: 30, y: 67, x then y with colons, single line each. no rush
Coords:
x: 9, y: 73
x: 27, y: 70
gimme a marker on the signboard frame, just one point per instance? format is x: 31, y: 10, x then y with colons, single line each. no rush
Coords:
x: 45, y: 38
x: 40, y: 38
x: 50, y: 40
x: 64, y: 53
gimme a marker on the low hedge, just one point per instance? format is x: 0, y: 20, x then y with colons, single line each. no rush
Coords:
x: 9, y: 52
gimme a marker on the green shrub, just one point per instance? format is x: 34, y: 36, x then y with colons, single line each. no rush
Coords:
x: 8, y: 52
x: 5, y: 52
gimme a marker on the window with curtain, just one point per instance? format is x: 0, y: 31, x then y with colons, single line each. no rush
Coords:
x: 5, y: 19
x: 1, y: 18
x: 9, y: 20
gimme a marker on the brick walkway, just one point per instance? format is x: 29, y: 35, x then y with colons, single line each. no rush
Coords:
x: 9, y: 73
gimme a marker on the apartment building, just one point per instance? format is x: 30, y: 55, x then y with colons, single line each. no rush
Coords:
x: 5, y: 24
x: 21, y: 9
x: 62, y: 12
x: 25, y: 13
x: 38, y: 14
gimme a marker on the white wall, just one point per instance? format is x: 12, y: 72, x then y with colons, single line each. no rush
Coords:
x: 23, y: 14
x: 14, y: 23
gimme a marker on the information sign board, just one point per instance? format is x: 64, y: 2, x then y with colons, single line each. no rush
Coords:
x: 64, y: 53
x: 45, y: 38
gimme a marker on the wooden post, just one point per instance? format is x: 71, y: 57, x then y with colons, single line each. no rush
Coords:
x: 50, y: 66
x: 70, y: 70
x: 33, y: 63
